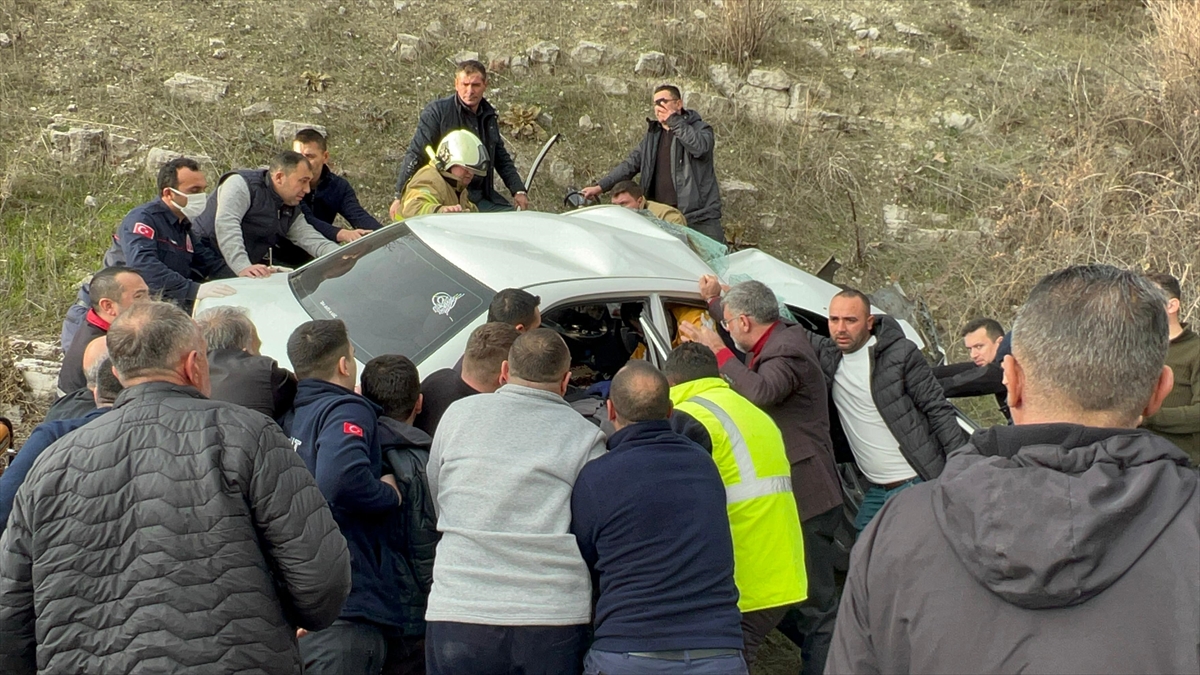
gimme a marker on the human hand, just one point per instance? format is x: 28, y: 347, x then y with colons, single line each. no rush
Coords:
x: 394, y: 210
x: 456, y: 208
x: 592, y: 192
x: 300, y: 632
x: 389, y: 479
x: 702, y: 335
x: 279, y: 269
x: 256, y: 271
x: 347, y: 236
x: 711, y: 287
x: 215, y: 290
x: 522, y: 201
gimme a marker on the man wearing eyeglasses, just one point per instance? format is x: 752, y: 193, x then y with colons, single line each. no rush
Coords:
x: 675, y: 160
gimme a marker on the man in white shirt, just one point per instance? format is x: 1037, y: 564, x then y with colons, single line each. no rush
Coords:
x: 896, y: 421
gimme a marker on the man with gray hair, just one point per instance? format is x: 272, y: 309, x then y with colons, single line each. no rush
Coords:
x: 1065, y: 543
x: 239, y: 373
x: 782, y: 376
x: 178, y: 506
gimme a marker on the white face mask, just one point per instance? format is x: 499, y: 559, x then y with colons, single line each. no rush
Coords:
x: 195, y: 203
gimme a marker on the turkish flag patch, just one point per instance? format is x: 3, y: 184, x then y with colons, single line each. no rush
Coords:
x: 144, y: 230
x: 352, y: 429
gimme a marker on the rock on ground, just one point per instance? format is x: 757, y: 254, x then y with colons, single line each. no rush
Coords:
x: 608, y: 85
x: 589, y: 54
x: 652, y: 64
x: 285, y: 130
x: 195, y: 88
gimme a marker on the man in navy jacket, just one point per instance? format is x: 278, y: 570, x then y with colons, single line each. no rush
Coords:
x: 334, y: 431
x: 331, y: 194
x: 156, y: 239
x: 650, y: 520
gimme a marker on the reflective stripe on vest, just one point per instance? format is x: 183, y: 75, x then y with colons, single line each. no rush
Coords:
x: 750, y: 486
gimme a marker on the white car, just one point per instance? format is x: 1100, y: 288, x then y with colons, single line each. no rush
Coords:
x: 419, y: 288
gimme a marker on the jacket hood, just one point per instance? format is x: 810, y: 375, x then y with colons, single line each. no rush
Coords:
x: 395, y: 433
x: 1050, y: 515
x: 310, y: 390
x: 887, y: 331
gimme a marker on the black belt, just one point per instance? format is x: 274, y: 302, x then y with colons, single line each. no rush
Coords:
x: 687, y: 654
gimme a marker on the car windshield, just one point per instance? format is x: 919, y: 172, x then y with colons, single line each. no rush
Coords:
x: 395, y: 295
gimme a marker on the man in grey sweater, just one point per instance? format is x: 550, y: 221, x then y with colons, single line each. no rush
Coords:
x: 256, y: 214
x: 510, y: 589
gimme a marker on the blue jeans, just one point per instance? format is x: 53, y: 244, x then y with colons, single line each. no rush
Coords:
x: 453, y: 648
x: 616, y: 663
x: 874, y: 499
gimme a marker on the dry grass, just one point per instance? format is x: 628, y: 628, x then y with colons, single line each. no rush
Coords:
x: 744, y: 28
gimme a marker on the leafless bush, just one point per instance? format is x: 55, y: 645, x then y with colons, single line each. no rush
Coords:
x: 743, y: 28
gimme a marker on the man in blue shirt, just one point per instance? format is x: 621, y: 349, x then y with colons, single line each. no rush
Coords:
x: 106, y: 389
x: 335, y: 432
x: 650, y: 520
x: 331, y: 194
x: 156, y: 240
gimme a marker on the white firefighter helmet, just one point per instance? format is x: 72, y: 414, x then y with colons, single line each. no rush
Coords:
x: 461, y: 148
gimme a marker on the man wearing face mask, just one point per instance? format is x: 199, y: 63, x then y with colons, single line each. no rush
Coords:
x: 441, y: 185
x: 156, y: 240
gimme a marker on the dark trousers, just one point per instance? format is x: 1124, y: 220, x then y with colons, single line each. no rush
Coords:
x: 810, y: 625
x: 453, y: 648
x: 756, y: 626
x: 405, y: 655
x: 345, y: 648
x: 711, y: 229
x: 491, y: 205
x: 616, y: 663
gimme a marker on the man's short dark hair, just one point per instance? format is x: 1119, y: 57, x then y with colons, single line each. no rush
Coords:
x: 1095, y: 335
x: 471, y: 67
x: 994, y: 329
x: 539, y: 356
x: 287, y: 161
x: 105, y: 284
x: 514, y: 306
x: 314, y: 348
x: 168, y: 173
x: 670, y: 89
x: 306, y: 136
x: 690, y: 361
x: 391, y: 381
x: 628, y: 187
x: 855, y: 293
x: 487, y: 348
x: 640, y: 393
x: 150, y: 338
x: 1168, y: 283
x: 107, y: 384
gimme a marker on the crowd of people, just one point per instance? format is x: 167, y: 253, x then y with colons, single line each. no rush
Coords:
x: 191, y: 505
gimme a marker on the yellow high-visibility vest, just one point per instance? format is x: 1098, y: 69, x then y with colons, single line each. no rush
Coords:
x: 768, y: 550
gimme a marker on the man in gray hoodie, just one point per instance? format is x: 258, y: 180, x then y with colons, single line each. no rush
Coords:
x: 1068, y: 543
x: 511, y: 592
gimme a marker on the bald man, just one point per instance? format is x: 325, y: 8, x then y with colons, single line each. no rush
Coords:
x: 80, y: 402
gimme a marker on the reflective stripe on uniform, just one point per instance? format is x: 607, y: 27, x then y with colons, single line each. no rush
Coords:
x: 750, y: 486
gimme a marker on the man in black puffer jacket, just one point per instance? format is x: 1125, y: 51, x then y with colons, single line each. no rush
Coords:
x: 174, y: 533
x: 894, y: 419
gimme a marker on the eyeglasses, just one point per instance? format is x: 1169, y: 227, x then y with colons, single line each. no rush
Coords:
x: 663, y: 101
x: 725, y: 323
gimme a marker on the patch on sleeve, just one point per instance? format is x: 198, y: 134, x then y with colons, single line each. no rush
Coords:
x: 352, y: 429
x: 144, y: 230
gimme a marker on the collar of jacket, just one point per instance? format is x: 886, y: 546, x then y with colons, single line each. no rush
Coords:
x: 97, y: 320
x: 402, y: 433
x: 531, y: 392
x: 485, y: 108
x: 265, y: 177
x: 160, y: 206
x: 628, y: 437
x: 155, y: 391
x: 1054, y: 446
x: 1187, y: 334
x: 685, y: 390
x: 325, y: 177
x: 312, y: 388
x: 887, y: 331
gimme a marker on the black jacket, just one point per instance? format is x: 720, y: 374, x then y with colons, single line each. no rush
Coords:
x: 160, y: 246
x: 191, y: 538
x: 907, y: 395
x: 968, y: 379
x: 441, y: 117
x: 264, y: 225
x: 254, y: 382
x: 71, y: 406
x: 71, y: 376
x: 330, y: 197
x: 414, y: 534
x: 1047, y: 548
x: 699, y: 196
